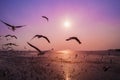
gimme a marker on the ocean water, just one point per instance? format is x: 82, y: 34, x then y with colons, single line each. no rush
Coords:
x: 60, y: 65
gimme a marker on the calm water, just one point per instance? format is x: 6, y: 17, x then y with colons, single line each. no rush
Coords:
x: 60, y: 65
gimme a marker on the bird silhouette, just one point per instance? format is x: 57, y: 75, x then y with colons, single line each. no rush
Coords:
x: 45, y: 18
x: 10, y: 44
x: 74, y: 38
x: 41, y: 36
x: 12, y: 27
x: 105, y: 68
x: 12, y: 36
x: 40, y: 52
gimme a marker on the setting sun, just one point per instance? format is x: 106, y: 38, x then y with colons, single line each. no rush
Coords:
x: 67, y: 24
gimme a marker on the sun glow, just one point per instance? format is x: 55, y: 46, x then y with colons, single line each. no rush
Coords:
x: 64, y: 51
x: 67, y: 24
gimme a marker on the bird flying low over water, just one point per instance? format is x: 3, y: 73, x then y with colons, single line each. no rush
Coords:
x: 12, y: 36
x: 10, y: 44
x: 40, y: 52
x: 45, y: 18
x: 41, y: 36
x: 6, y: 47
x: 12, y: 27
x: 74, y: 38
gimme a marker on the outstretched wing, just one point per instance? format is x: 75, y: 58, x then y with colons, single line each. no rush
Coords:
x: 8, y: 35
x: 14, y: 36
x: 5, y: 44
x: 20, y: 26
x: 14, y: 44
x: 38, y: 36
x: 74, y: 38
x: 46, y: 39
x: 6, y: 24
x: 35, y: 36
x: 45, y: 18
x: 34, y: 47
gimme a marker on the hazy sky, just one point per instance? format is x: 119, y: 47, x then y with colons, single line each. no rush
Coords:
x: 95, y: 22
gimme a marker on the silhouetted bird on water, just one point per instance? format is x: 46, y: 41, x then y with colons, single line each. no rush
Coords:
x: 74, y: 38
x: 12, y: 36
x: 105, y: 68
x: 45, y: 18
x: 41, y: 36
x: 40, y: 52
x: 12, y: 27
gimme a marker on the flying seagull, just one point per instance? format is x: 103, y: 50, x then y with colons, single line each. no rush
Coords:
x: 74, y: 38
x: 41, y: 36
x: 45, y: 18
x: 12, y: 36
x: 12, y: 27
x: 10, y: 44
x: 40, y: 52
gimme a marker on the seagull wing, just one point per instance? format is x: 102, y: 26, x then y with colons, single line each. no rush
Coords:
x: 45, y: 18
x: 14, y: 44
x: 78, y: 40
x: 14, y: 36
x: 8, y: 35
x: 5, y: 44
x: 35, y: 36
x: 6, y: 23
x: 75, y: 38
x: 46, y: 39
x: 20, y: 26
x: 34, y: 47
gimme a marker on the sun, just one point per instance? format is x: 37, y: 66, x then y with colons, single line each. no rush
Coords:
x: 67, y: 24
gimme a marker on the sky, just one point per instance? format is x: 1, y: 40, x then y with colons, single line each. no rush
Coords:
x: 95, y: 22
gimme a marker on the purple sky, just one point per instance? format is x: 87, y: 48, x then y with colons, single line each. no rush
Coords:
x: 95, y: 22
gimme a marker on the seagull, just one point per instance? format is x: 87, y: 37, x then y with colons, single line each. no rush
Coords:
x: 41, y: 36
x: 105, y: 68
x: 12, y: 36
x: 10, y: 44
x: 45, y: 18
x: 12, y: 27
x: 40, y: 52
x: 7, y: 36
x: 75, y: 38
